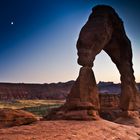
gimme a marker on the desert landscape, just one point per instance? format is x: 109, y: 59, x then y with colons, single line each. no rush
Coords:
x: 80, y: 109
x: 18, y: 125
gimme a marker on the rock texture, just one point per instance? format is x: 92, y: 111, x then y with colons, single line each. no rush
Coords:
x: 84, y: 93
x: 12, y: 117
x: 71, y: 130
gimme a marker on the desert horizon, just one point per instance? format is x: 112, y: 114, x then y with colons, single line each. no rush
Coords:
x: 46, y: 43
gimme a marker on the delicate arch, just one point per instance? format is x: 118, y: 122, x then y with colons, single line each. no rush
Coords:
x: 104, y: 30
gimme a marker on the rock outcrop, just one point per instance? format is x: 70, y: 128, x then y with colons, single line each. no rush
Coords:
x: 84, y: 93
x: 83, y: 101
x: 12, y: 117
x: 104, y: 30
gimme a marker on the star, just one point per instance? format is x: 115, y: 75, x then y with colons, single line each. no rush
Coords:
x: 12, y: 22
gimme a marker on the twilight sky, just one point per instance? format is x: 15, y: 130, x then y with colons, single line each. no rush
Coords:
x: 38, y: 39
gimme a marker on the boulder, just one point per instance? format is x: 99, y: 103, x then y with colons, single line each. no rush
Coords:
x: 13, y: 117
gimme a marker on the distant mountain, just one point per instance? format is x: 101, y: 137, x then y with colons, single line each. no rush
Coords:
x: 109, y: 87
x: 10, y: 91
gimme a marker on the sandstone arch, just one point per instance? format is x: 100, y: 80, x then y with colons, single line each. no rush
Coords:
x: 104, y: 30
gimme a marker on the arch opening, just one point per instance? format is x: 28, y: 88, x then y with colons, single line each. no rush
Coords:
x: 105, y: 70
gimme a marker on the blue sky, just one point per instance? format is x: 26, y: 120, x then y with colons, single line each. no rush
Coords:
x: 40, y: 45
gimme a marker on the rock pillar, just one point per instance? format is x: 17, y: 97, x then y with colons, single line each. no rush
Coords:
x: 83, y: 96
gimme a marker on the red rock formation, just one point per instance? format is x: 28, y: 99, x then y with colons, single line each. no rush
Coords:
x: 71, y: 130
x: 84, y: 93
x: 104, y: 30
x: 12, y: 117
x: 83, y: 102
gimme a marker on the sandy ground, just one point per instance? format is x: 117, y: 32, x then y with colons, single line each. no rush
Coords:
x: 71, y: 130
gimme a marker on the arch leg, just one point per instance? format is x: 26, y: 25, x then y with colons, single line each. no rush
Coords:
x: 121, y: 55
